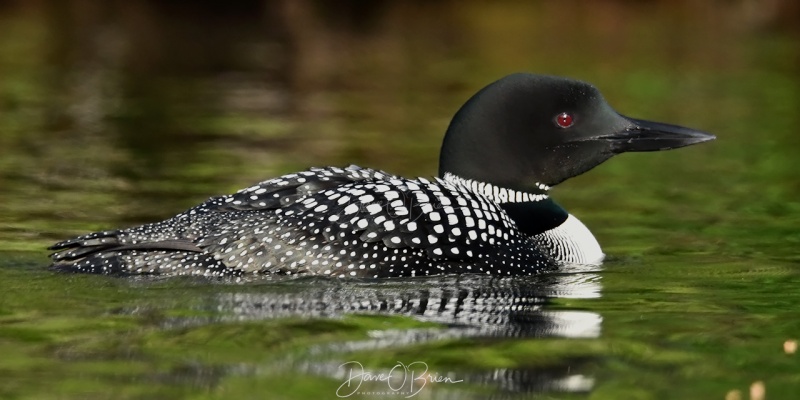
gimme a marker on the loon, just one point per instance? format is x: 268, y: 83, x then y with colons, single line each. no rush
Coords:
x: 488, y: 211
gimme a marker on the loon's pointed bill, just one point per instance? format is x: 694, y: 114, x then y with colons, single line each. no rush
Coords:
x: 642, y: 135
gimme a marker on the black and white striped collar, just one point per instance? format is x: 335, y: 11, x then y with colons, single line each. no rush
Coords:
x: 499, y: 194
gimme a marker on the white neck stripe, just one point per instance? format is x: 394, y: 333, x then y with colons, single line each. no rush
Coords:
x: 498, y: 194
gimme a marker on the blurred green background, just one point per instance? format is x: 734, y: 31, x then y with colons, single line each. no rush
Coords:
x: 117, y: 113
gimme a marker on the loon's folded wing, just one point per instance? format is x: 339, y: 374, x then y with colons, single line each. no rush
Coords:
x: 368, y: 216
x: 283, y: 191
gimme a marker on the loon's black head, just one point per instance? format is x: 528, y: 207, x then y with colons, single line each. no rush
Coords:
x: 526, y: 129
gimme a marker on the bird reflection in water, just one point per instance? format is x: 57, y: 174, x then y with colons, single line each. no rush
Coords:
x: 466, y: 306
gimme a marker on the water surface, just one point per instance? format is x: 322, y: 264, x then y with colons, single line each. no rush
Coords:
x: 121, y: 113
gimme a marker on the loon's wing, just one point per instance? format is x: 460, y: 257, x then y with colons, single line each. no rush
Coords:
x: 327, y: 221
x: 164, y: 246
x: 362, y: 219
x: 283, y: 191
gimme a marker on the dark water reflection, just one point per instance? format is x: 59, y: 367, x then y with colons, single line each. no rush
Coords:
x: 467, y: 307
x: 471, y: 305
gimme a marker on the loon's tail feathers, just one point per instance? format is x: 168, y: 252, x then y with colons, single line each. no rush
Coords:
x: 69, y: 252
x: 88, y: 240
x: 83, y: 246
x: 103, y: 252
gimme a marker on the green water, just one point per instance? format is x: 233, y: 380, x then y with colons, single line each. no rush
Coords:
x: 119, y: 113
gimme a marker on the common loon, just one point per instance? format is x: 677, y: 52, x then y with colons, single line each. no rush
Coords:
x: 488, y: 212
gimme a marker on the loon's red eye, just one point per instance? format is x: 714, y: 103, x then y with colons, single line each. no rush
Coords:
x: 564, y: 120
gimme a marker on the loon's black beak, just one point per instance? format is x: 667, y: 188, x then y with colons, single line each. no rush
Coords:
x: 640, y: 135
